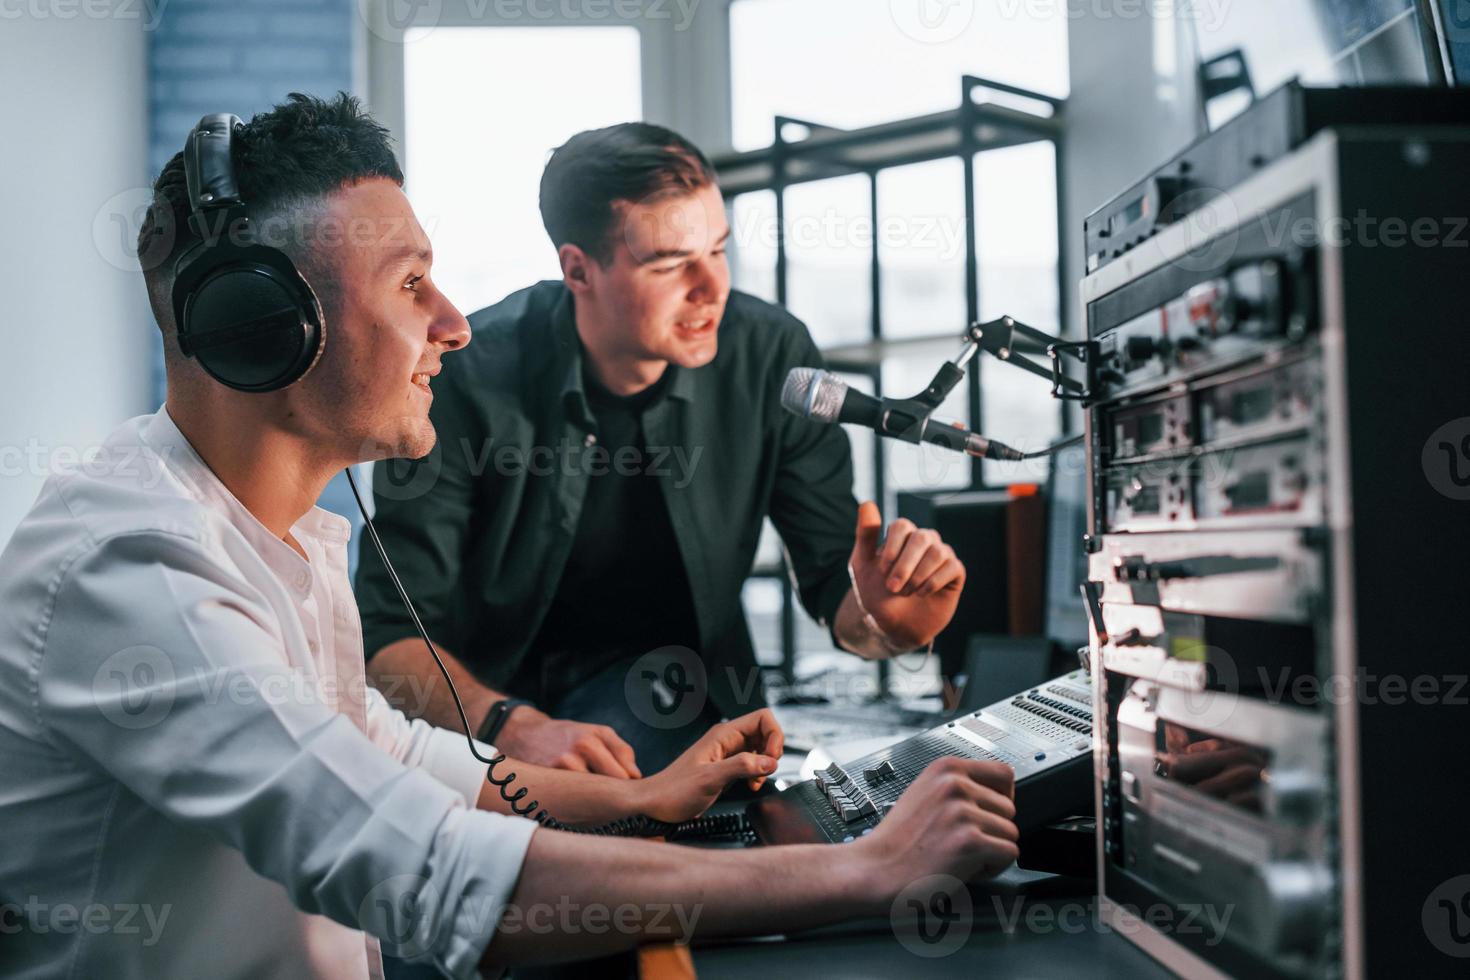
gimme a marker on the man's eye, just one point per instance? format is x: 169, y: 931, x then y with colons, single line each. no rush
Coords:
x: 412, y: 283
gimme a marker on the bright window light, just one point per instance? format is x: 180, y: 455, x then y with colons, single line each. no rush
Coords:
x: 484, y: 107
x: 853, y: 63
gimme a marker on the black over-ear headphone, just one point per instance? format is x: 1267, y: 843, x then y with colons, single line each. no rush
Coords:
x: 242, y: 309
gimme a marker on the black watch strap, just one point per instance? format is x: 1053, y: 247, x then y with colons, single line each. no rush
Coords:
x: 495, y: 718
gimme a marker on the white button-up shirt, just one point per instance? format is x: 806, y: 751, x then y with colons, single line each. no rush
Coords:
x: 195, y: 778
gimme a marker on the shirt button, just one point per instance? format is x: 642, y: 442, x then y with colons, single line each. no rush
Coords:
x: 591, y: 440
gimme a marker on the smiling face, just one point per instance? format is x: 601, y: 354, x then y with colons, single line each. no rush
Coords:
x: 387, y: 326
x: 660, y: 298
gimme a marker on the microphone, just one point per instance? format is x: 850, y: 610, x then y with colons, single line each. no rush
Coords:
x: 824, y: 397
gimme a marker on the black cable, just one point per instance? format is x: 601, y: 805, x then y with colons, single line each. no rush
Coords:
x: 732, y: 826
x: 414, y: 615
x: 1054, y: 447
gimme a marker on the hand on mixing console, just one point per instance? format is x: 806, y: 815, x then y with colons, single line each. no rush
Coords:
x: 746, y: 748
x: 955, y: 819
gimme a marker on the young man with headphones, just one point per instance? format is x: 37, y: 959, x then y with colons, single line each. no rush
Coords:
x: 197, y: 780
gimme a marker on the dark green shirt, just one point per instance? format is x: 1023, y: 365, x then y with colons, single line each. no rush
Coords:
x: 480, y: 529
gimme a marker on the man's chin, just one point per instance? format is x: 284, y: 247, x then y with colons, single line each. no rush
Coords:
x: 414, y: 442
x: 695, y: 356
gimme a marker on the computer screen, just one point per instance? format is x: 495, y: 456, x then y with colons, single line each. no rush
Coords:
x: 1066, y: 562
x: 1320, y: 42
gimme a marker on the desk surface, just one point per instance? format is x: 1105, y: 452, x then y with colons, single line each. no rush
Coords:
x: 1021, y: 925
x: 1008, y: 937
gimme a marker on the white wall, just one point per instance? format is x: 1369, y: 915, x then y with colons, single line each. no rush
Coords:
x: 1131, y: 107
x: 74, y: 322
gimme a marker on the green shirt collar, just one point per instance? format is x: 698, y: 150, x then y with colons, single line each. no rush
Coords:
x: 568, y: 361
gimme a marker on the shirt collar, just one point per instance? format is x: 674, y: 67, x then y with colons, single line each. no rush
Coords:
x: 179, y: 456
x: 568, y: 361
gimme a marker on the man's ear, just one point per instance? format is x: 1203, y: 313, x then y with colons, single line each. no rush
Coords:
x: 576, y: 268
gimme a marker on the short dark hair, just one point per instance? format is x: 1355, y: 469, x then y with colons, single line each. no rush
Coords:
x: 286, y: 158
x: 591, y: 173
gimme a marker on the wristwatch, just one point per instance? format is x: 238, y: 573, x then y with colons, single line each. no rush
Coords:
x: 495, y: 719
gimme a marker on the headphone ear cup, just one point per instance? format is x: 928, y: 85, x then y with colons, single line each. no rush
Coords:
x: 252, y: 325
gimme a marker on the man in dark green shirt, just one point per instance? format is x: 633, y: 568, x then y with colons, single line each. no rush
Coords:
x: 608, y: 450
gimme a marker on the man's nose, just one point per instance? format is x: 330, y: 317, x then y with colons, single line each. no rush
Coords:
x: 449, y: 327
x: 710, y: 281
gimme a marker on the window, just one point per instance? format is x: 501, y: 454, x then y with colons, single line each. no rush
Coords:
x: 829, y: 258
x: 1016, y: 241
x: 483, y: 109
x: 753, y: 244
x: 852, y: 63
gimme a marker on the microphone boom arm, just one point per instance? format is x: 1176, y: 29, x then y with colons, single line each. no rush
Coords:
x: 1010, y: 340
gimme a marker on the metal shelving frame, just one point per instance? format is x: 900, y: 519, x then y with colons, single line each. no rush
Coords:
x: 991, y: 115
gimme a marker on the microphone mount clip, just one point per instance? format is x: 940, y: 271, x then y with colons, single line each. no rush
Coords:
x: 1010, y: 340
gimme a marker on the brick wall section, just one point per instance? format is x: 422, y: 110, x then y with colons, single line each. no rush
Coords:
x: 243, y: 56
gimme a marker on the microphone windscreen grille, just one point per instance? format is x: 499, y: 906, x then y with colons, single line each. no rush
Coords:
x: 813, y: 393
x: 796, y: 389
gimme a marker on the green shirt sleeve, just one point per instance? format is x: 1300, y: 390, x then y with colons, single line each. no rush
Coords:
x: 812, y: 505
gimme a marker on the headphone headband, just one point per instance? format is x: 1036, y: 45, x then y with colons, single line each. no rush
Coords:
x: 241, y: 307
x: 209, y: 169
